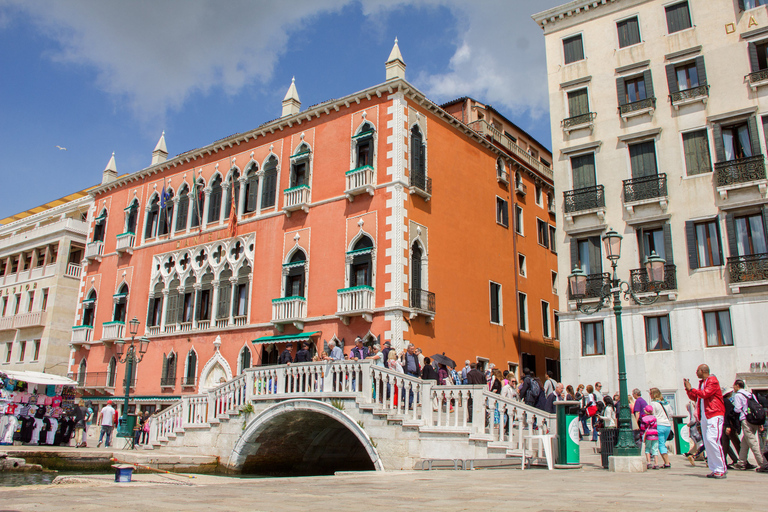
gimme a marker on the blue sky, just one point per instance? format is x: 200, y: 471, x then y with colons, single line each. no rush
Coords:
x: 97, y: 76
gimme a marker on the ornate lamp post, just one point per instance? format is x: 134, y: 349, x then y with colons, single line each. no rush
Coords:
x: 577, y: 281
x: 128, y: 356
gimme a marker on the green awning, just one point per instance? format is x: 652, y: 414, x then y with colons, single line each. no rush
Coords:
x: 286, y: 338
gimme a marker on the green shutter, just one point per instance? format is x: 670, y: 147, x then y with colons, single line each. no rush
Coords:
x: 701, y: 70
x: 621, y: 91
x: 730, y: 228
x: 648, y: 79
x: 181, y: 216
x: 253, y: 190
x: 669, y: 256
x: 225, y: 294
x: 672, y: 79
x: 754, y: 138
x: 690, y: 236
x: 717, y: 134
x: 754, y: 65
x: 765, y: 220
x: 641, y: 245
x: 165, y: 367
x: 583, y: 171
x: 595, y: 256
x: 150, y: 311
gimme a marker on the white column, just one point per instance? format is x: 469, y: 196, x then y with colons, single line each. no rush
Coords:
x: 250, y: 291
x: 241, y: 198
x: 214, y: 303
x: 206, y: 207
x: 164, y: 309
x: 224, y: 196
x: 190, y: 208
x: 198, y: 289
x: 233, y: 291
x: 172, y: 227
x: 143, y: 226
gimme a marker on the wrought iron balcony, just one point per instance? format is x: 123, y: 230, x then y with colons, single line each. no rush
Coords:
x: 748, y: 269
x: 640, y: 284
x: 421, y: 186
x: 595, y: 284
x: 686, y: 95
x: 647, y: 187
x: 629, y: 109
x: 168, y: 382
x: 579, y: 121
x: 422, y: 300
x: 758, y: 77
x: 581, y: 199
x: 188, y: 382
x: 741, y: 170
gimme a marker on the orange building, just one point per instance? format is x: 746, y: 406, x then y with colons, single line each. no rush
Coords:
x: 379, y: 215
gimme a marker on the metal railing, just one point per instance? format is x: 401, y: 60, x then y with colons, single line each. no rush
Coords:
x: 646, y: 187
x: 687, y: 94
x: 188, y: 381
x: 741, y: 170
x: 587, y: 198
x: 746, y: 269
x: 595, y: 285
x: 640, y: 284
x: 93, y: 380
x: 757, y: 76
x: 581, y: 119
x: 422, y: 299
x: 421, y: 183
x: 168, y: 382
x: 628, y: 108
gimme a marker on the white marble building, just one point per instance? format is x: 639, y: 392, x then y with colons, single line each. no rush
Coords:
x: 659, y: 114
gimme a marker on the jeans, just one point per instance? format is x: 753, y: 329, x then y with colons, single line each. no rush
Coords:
x: 663, y: 435
x: 106, y: 429
x: 584, y: 427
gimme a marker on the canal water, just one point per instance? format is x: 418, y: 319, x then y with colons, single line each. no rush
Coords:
x: 16, y: 479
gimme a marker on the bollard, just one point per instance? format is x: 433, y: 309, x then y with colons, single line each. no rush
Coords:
x: 568, y: 434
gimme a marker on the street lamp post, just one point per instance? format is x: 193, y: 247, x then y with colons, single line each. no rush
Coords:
x: 577, y: 281
x: 129, y: 356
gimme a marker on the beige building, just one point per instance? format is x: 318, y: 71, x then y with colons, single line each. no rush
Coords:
x: 659, y: 112
x: 41, y: 251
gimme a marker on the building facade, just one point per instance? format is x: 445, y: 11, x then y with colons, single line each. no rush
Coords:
x: 378, y: 215
x: 41, y: 251
x: 658, y: 112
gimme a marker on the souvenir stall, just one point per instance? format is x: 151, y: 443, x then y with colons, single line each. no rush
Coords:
x: 36, y: 408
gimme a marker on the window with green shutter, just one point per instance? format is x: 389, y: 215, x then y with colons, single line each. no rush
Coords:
x: 573, y: 49
x: 642, y: 158
x: 678, y: 17
x: 696, y: 150
x: 578, y: 102
x: 583, y: 167
x: 629, y: 32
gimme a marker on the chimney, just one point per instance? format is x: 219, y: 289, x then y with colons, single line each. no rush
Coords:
x: 291, y: 102
x: 395, y: 65
x: 110, y: 171
x: 160, y: 154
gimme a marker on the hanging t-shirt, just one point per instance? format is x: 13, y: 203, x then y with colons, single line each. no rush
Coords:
x: 56, y: 401
x: 50, y: 390
x: 52, y: 431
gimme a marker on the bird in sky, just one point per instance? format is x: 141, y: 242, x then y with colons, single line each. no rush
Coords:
x: 61, y: 148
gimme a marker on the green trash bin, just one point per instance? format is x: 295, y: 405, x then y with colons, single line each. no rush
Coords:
x: 568, y: 434
x: 131, y: 421
x: 682, y: 434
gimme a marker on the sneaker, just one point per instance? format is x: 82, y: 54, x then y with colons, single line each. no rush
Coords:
x: 762, y: 469
x: 748, y: 466
x: 655, y: 467
x: 718, y: 475
x: 649, y: 466
x: 691, y: 460
x: 740, y: 465
x: 98, y: 445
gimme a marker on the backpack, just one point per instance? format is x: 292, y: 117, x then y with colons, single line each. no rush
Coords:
x: 534, y: 390
x: 755, y: 412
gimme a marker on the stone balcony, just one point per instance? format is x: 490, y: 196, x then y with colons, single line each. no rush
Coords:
x: 747, y: 271
x: 125, y: 242
x: 688, y: 96
x: 646, y: 190
x: 359, y: 181
x: 355, y: 301
x: 580, y: 122
x: 584, y: 201
x: 82, y: 334
x: 94, y: 250
x: 739, y: 174
x: 637, y: 108
x: 757, y: 79
x: 289, y: 310
x: 31, y: 319
x: 111, y: 331
x: 296, y: 198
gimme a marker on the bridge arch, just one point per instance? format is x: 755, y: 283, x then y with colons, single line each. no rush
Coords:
x: 303, y: 436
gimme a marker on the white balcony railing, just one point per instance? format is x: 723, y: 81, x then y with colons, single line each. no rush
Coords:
x: 185, y: 327
x: 153, y: 330
x: 296, y: 198
x: 6, y: 323
x: 483, y: 128
x: 82, y: 333
x: 112, y: 330
x: 203, y: 325
x: 73, y: 270
x: 357, y: 300
x: 241, y: 320
x: 73, y: 225
x: 31, y: 319
x: 222, y: 323
x: 94, y: 250
x: 125, y: 242
x: 359, y: 181
x: 287, y: 310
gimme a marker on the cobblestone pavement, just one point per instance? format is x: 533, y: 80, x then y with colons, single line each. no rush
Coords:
x: 590, y: 488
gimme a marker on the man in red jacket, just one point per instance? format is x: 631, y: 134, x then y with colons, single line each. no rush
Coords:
x: 710, y: 411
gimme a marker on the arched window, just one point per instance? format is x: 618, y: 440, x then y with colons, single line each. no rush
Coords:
x: 418, y: 159
x: 416, y: 278
x: 89, y: 309
x: 300, y: 167
x: 150, y: 229
x: 121, y: 303
x: 181, y: 215
x: 198, y: 203
x: 245, y: 359
x: 232, y: 191
x: 269, y: 355
x: 204, y: 297
x: 501, y: 169
x: 225, y: 294
x: 132, y: 217
x: 81, y: 370
x: 100, y: 227
x: 188, y: 301
x: 240, y: 307
x: 111, y: 371
x: 166, y: 213
x: 174, y: 308
x: 191, y: 370
x: 251, y: 189
x: 269, y: 188
x: 214, y: 209
x: 361, y: 265
x: 294, y: 281
x: 168, y: 377
x: 155, y: 309
x: 364, y: 146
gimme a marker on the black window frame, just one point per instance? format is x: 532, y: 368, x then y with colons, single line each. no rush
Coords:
x: 542, y: 232
x: 546, y: 321
x: 692, y: 234
x: 496, y: 303
x: 522, y: 311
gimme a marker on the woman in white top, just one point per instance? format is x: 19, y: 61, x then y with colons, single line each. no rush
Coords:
x: 377, y: 356
x: 609, y: 413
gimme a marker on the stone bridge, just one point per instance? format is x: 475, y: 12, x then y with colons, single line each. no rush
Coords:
x: 316, y: 418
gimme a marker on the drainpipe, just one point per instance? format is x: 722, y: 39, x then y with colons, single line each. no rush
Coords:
x: 517, y: 272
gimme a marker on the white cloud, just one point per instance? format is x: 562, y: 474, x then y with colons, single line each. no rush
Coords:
x: 154, y: 55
